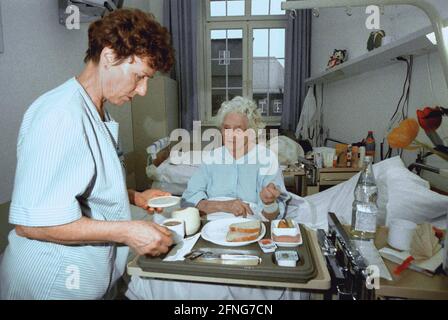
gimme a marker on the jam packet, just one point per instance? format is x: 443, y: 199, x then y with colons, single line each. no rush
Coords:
x: 267, y: 245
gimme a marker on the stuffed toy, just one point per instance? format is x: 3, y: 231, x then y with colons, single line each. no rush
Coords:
x: 338, y: 57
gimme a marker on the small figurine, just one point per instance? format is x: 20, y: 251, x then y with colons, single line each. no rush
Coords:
x: 338, y: 57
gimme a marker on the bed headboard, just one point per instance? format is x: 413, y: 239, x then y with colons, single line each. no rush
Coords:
x: 160, y: 157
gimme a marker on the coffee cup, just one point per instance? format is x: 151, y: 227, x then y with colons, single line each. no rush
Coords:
x: 191, y: 218
x: 401, y: 233
x: 177, y: 227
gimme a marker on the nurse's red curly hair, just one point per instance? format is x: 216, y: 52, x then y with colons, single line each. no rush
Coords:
x: 131, y: 32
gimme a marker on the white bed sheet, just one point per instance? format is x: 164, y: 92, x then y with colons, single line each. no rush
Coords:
x: 170, y: 177
x: 402, y: 194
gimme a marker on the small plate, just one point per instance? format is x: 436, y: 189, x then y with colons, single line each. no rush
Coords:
x: 216, y: 232
x: 287, y: 232
x: 163, y: 202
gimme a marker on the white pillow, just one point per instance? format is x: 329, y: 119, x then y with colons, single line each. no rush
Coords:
x: 401, y: 194
x: 288, y: 151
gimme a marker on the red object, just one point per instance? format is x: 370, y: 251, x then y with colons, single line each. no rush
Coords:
x: 370, y: 145
x: 406, y: 263
x: 438, y: 232
x: 429, y: 118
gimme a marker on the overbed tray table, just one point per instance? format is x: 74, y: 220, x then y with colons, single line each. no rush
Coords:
x: 310, y: 273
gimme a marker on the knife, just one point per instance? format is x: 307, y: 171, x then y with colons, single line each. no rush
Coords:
x: 230, y: 259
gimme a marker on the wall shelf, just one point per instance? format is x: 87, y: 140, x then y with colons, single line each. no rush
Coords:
x: 413, y: 44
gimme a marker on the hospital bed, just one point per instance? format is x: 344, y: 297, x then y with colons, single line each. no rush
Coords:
x: 402, y: 193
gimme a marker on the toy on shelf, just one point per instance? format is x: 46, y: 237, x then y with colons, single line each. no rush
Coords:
x: 338, y: 57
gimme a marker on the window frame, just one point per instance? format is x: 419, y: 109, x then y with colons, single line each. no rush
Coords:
x: 247, y: 23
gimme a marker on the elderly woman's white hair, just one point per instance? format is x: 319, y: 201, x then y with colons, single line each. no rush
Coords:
x: 242, y: 106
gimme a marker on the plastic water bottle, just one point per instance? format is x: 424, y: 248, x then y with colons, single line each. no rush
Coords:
x: 365, y: 209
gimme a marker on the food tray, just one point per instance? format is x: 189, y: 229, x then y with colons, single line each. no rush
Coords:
x: 266, y: 271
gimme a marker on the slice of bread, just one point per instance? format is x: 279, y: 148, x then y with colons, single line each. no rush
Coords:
x: 253, y: 226
x: 233, y: 236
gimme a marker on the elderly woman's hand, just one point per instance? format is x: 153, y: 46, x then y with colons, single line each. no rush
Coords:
x: 146, y: 237
x: 140, y: 199
x: 238, y: 208
x: 269, y: 194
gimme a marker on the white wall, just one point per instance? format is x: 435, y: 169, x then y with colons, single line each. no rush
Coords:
x: 366, y: 102
x: 156, y: 8
x: 39, y: 55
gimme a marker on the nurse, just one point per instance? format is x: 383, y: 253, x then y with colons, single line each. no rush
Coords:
x: 70, y: 206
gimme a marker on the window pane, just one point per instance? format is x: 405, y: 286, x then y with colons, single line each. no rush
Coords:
x: 218, y: 97
x: 282, y: 62
x: 260, y: 7
x: 260, y: 46
x: 218, y: 8
x: 235, y: 43
x: 235, y: 73
x: 277, y: 45
x: 235, y: 8
x: 276, y: 87
x: 260, y: 75
x: 276, y: 76
x: 218, y: 34
x: 276, y: 7
x: 218, y: 45
x: 218, y: 75
x: 235, y: 34
x: 235, y: 92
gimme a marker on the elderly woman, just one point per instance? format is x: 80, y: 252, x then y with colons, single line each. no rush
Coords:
x: 242, y: 170
x: 250, y: 171
x: 70, y: 206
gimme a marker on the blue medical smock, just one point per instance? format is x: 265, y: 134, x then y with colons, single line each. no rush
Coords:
x: 67, y: 167
x: 220, y: 175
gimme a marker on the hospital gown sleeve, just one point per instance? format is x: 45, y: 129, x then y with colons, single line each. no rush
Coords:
x: 274, y: 175
x: 54, y: 168
x: 197, y: 187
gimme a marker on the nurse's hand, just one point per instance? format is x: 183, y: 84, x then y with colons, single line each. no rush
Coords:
x: 141, y: 199
x: 238, y: 208
x: 148, y: 238
x: 269, y: 194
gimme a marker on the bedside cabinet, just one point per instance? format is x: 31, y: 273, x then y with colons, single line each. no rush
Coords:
x: 328, y: 177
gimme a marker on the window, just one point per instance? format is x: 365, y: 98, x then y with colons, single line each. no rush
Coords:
x: 244, y: 54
